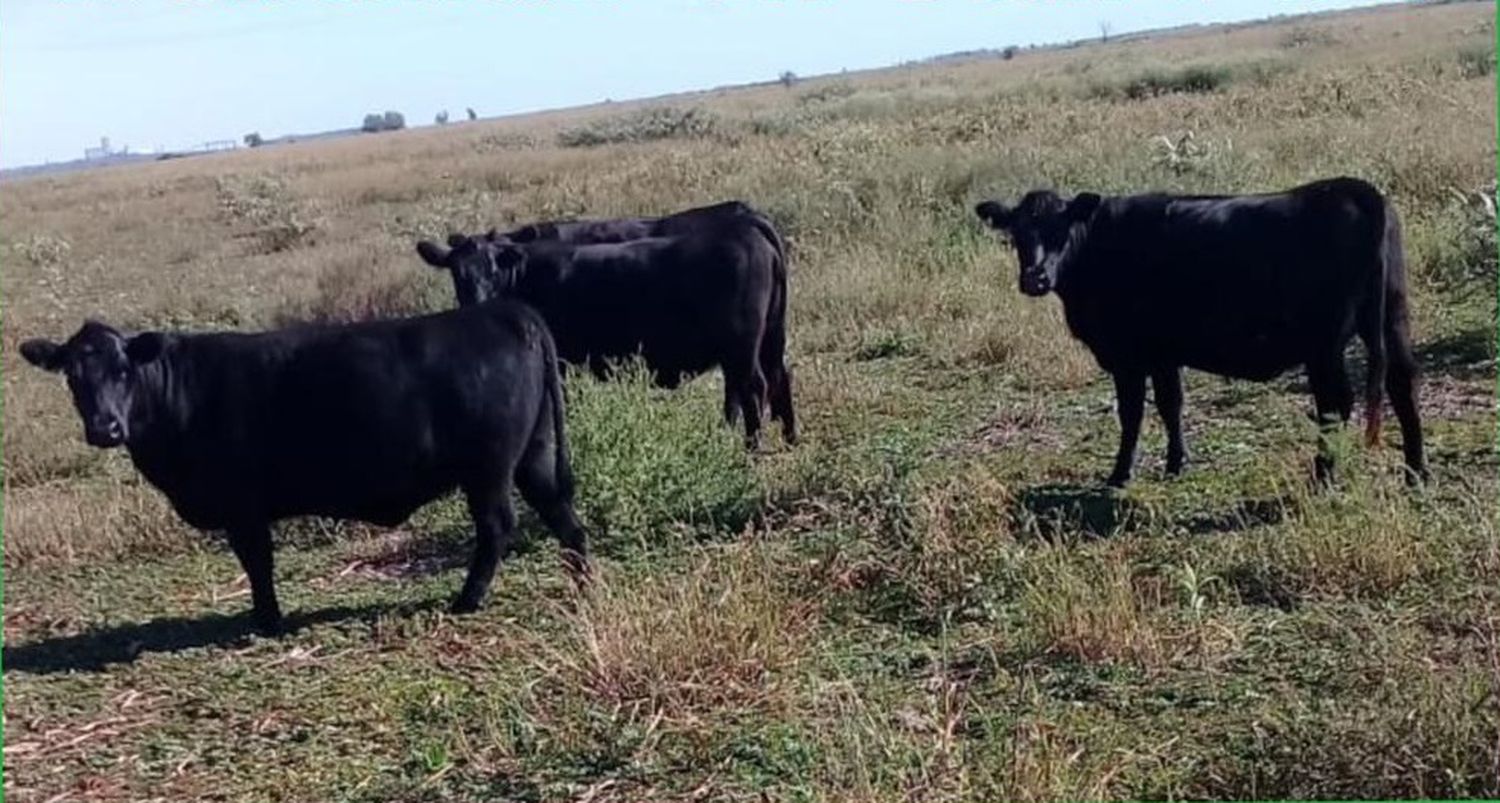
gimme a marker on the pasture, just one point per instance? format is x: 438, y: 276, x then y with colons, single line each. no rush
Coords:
x: 932, y: 597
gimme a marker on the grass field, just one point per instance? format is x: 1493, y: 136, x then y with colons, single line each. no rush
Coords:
x: 932, y: 598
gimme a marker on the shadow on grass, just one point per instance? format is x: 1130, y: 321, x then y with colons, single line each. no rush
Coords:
x: 96, y: 649
x: 1092, y: 510
x: 1465, y: 355
x: 1243, y: 515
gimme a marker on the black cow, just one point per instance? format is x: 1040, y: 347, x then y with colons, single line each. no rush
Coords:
x: 1246, y: 286
x: 697, y: 220
x: 685, y: 303
x: 368, y: 421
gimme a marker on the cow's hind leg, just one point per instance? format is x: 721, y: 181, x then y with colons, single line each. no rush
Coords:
x: 743, y: 378
x: 1401, y: 386
x: 548, y: 488
x: 731, y: 403
x: 252, y: 545
x: 1130, y: 397
x: 494, y: 531
x: 779, y: 391
x: 1334, y: 402
x: 1167, y: 384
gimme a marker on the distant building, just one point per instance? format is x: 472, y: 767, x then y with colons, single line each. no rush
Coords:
x: 100, y: 152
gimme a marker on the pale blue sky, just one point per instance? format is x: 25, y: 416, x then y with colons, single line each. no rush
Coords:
x: 175, y: 73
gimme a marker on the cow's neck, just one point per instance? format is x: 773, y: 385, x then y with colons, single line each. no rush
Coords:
x: 158, y: 411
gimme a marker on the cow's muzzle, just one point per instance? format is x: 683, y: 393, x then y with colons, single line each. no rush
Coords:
x: 105, y: 433
x: 1036, y: 283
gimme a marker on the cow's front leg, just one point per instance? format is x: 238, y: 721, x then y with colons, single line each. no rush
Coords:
x: 1334, y: 402
x: 1130, y: 398
x: 494, y: 517
x: 252, y: 545
x: 1167, y: 385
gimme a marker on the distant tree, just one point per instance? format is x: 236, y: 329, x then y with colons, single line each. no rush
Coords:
x: 394, y: 121
x: 373, y: 123
x: 788, y: 79
x: 253, y: 139
x: 441, y: 118
x: 1105, y: 29
x: 472, y: 115
x: 1009, y: 52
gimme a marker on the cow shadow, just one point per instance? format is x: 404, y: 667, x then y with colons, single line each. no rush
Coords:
x: 97, y: 649
x: 1464, y: 355
x: 1243, y: 515
x: 1468, y: 355
x: 1092, y: 510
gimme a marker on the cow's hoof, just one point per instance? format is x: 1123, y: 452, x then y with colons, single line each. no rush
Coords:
x: 1175, y: 469
x: 1117, y: 480
x: 463, y: 606
x: 1416, y: 478
x: 269, y: 625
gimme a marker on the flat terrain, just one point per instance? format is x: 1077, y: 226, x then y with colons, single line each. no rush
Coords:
x: 932, y: 598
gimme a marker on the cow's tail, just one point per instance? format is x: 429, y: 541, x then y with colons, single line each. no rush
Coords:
x: 1374, y: 314
x: 562, y: 464
x: 773, y: 340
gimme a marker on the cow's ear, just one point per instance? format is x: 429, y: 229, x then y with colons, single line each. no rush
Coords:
x: 455, y: 240
x: 145, y: 347
x: 1082, y: 206
x: 993, y: 213
x: 44, y: 354
x: 492, y: 235
x: 433, y: 254
x: 525, y: 234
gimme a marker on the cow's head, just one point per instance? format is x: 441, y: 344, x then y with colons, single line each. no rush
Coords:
x: 102, y: 367
x: 1040, y: 227
x: 482, y: 267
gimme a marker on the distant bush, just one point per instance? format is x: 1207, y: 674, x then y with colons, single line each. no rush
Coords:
x: 788, y: 79
x: 441, y: 118
x: 647, y: 125
x: 650, y: 461
x: 1185, y: 80
x: 1009, y: 52
x: 389, y: 121
x: 253, y: 140
x: 827, y: 92
x: 1476, y: 62
x: 1196, y: 78
x: 1303, y: 36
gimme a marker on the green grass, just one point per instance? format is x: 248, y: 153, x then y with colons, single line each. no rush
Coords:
x: 932, y: 597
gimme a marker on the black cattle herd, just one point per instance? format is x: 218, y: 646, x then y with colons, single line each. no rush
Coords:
x: 370, y: 421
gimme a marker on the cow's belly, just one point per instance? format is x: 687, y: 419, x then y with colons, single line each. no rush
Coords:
x: 383, y: 492
x: 1226, y: 345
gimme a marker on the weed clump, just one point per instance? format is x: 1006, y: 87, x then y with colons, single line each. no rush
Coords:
x: 648, y: 125
x: 276, y: 219
x: 651, y: 462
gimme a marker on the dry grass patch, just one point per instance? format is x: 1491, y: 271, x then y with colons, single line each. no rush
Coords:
x: 1371, y: 539
x: 1090, y: 608
x: 84, y: 521
x: 675, y: 648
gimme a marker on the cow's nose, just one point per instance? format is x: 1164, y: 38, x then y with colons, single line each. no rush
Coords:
x: 115, y: 428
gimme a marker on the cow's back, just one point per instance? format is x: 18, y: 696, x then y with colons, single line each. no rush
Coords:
x: 680, y: 300
x: 368, y: 422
